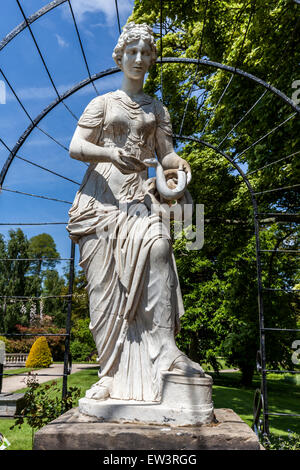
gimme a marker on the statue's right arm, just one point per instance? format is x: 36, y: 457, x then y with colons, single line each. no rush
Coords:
x: 82, y: 147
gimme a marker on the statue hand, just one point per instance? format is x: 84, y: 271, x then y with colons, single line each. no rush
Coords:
x: 172, y: 161
x: 125, y: 163
x: 184, y: 165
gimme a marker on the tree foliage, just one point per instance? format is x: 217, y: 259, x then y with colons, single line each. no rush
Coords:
x: 40, y: 279
x: 22, y: 280
x: 219, y: 282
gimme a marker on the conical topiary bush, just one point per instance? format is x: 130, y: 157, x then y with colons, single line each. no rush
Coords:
x: 40, y: 354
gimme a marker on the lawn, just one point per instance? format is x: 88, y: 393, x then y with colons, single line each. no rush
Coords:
x: 283, y: 397
x: 22, y: 370
x: 283, y: 391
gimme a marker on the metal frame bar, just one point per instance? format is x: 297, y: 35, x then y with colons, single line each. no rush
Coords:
x: 232, y: 76
x: 278, y: 189
x: 31, y: 19
x: 35, y: 195
x: 197, y: 68
x: 49, y: 108
x: 272, y: 163
x: 161, y: 50
x: 67, y: 355
x: 27, y: 114
x: 266, y: 135
x: 43, y: 60
x: 262, y: 404
x: 81, y: 45
x: 118, y: 17
x: 47, y: 169
x: 33, y: 223
x: 259, y: 273
x: 243, y: 117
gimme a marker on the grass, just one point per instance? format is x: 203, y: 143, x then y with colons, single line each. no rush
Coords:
x: 21, y: 438
x: 22, y: 370
x: 283, y: 393
x: 283, y: 397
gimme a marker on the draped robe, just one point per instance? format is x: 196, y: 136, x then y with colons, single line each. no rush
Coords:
x: 135, y: 301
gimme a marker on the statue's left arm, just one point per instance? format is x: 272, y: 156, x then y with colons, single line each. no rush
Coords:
x: 164, y: 144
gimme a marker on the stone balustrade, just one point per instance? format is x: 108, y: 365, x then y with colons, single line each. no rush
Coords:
x: 17, y: 359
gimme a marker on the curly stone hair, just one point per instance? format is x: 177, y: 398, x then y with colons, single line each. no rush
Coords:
x: 132, y: 32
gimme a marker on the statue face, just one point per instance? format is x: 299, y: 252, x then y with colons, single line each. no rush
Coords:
x: 136, y: 59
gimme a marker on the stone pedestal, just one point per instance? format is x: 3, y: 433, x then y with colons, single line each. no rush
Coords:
x: 75, y: 431
x: 185, y: 401
x: 10, y: 403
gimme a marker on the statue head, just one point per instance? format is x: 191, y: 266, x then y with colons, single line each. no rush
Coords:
x: 133, y: 32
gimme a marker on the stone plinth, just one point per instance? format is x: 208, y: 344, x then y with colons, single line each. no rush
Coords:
x: 185, y: 401
x: 75, y: 431
x: 10, y: 403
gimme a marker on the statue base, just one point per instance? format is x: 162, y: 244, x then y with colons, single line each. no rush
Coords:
x: 10, y: 404
x: 75, y: 431
x: 186, y: 401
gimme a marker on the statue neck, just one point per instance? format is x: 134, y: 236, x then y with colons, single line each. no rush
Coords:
x: 132, y: 87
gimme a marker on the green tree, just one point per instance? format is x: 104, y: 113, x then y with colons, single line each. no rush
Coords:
x: 219, y: 282
x: 55, y: 305
x: 82, y: 342
x: 15, y: 282
x: 80, y: 301
x: 43, y: 248
x: 19, y: 277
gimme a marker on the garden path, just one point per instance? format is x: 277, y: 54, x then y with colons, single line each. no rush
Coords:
x: 16, y: 382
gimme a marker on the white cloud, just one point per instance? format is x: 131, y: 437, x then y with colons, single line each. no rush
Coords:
x: 107, y: 7
x: 61, y: 41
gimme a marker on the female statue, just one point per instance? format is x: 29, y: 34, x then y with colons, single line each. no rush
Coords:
x: 132, y: 282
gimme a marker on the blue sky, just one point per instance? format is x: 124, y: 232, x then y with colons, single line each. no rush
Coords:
x: 20, y: 61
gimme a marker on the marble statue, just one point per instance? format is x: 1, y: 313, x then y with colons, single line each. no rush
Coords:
x: 132, y: 282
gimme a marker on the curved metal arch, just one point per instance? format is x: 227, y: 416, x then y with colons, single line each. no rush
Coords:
x: 113, y: 70
x: 216, y: 149
x: 44, y: 113
x: 236, y: 71
x: 264, y: 403
x: 31, y: 19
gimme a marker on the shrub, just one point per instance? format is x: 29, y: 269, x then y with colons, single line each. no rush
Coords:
x: 6, y: 342
x: 82, y: 343
x: 23, y: 344
x: 40, y: 354
x: 80, y: 351
x: 275, y: 442
x: 41, y: 404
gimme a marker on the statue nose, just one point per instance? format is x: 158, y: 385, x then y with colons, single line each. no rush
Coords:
x: 138, y: 58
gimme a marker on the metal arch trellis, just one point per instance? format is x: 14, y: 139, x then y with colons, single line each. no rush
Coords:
x: 261, y: 402
x: 114, y: 70
x: 166, y: 60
